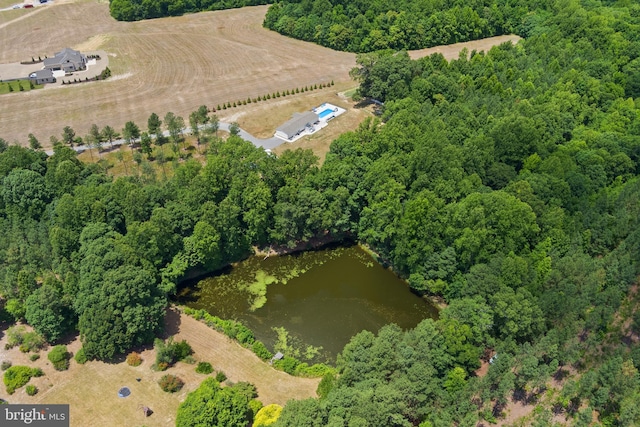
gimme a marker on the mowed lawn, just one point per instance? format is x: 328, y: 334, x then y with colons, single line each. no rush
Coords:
x: 91, y: 389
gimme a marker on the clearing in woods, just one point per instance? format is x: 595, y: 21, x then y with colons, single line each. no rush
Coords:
x: 169, y: 64
x: 91, y: 389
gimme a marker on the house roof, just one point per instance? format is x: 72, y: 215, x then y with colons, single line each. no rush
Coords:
x: 298, y: 122
x: 65, y: 55
x: 43, y: 74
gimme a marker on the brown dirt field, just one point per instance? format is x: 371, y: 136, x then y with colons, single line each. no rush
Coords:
x: 91, y: 389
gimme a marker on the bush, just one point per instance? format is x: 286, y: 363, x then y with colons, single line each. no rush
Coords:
x: 34, y: 357
x: 171, y: 383
x: 220, y: 376
x: 204, y: 368
x: 267, y: 415
x: 59, y: 357
x: 32, y: 390
x: 28, y: 341
x: 181, y: 350
x: 6, y: 364
x: 261, y: 350
x: 134, y: 359
x: 17, y: 376
x: 168, y: 353
x: 81, y: 357
x: 287, y: 364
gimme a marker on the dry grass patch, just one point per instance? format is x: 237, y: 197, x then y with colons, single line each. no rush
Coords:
x: 92, y: 389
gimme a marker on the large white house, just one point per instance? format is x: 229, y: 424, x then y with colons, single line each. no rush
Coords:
x: 68, y: 60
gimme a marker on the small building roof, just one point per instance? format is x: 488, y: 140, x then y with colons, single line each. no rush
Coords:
x: 43, y: 74
x: 278, y: 356
x: 298, y: 122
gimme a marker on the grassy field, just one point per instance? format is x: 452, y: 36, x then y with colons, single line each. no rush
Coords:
x: 15, y: 85
x: 91, y: 389
x: 170, y: 64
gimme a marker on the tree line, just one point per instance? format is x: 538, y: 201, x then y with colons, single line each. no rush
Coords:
x: 136, y: 10
x: 367, y: 26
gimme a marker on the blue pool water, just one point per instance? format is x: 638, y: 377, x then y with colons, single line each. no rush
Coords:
x: 325, y: 113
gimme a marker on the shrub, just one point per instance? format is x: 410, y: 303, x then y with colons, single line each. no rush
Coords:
x: 287, y: 364
x: 254, y: 407
x: 31, y: 390
x: 134, y: 359
x: 204, y: 368
x: 6, y: 364
x: 189, y: 359
x: 59, y: 357
x: 181, y: 350
x: 267, y: 415
x: 168, y: 353
x: 34, y: 357
x: 81, y: 357
x: 170, y: 383
x: 220, y: 376
x: 28, y: 341
x: 261, y: 350
x: 17, y: 376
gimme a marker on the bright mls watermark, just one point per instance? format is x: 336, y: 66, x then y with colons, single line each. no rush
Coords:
x: 34, y: 415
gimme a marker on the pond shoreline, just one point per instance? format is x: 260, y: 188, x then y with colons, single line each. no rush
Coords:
x: 322, y: 296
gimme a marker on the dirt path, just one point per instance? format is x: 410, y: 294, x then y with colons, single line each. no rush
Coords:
x: 91, y: 389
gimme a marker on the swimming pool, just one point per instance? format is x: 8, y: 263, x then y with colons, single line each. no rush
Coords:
x: 325, y: 113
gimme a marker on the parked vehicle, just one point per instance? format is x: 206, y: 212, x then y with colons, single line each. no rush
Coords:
x: 27, y: 6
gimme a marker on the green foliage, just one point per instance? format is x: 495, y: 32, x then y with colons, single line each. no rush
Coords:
x: 34, y: 357
x: 204, y: 368
x: 6, y: 364
x: 211, y: 405
x: 31, y: 390
x: 17, y: 376
x: 221, y: 376
x: 231, y: 328
x: 326, y: 385
x: 80, y: 356
x: 170, y: 352
x: 261, y: 350
x: 59, y: 357
x: 28, y: 341
x: 170, y: 383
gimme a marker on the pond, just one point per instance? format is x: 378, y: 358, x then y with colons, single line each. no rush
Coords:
x: 321, y: 298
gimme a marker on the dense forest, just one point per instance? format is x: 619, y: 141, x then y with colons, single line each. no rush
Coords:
x: 136, y: 10
x: 366, y: 26
x: 505, y: 183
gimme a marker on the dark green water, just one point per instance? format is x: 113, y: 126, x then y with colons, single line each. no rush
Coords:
x: 322, y: 298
